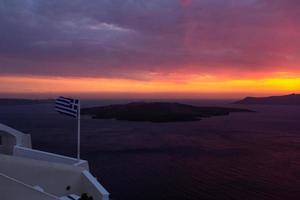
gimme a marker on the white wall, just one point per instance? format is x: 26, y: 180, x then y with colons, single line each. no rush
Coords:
x: 52, y: 177
x: 12, y: 189
x: 21, y: 139
x: 50, y: 157
x: 8, y: 143
x: 93, y: 187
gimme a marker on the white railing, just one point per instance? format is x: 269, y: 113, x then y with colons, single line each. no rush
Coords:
x: 50, y: 157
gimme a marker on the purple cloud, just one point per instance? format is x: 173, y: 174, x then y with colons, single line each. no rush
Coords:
x: 122, y: 38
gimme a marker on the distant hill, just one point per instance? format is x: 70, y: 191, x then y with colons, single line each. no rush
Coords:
x: 156, y: 112
x: 292, y: 99
x: 13, y: 102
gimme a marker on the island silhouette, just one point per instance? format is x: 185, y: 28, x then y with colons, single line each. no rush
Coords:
x: 292, y: 99
x: 157, y: 112
x: 15, y: 101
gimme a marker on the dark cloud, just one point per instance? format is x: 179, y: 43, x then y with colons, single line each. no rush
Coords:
x: 128, y: 38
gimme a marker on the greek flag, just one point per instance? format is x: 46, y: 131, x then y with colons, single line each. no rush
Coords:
x: 67, y: 106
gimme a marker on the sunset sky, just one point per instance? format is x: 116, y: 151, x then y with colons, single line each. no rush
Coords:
x: 149, y: 48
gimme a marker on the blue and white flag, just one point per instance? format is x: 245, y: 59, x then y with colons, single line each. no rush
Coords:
x: 67, y: 106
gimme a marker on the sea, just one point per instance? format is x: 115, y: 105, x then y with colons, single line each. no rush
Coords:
x: 243, y: 156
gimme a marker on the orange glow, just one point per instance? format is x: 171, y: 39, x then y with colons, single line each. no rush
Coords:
x: 206, y: 84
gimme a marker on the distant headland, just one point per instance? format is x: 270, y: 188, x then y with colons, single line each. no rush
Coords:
x: 15, y: 102
x: 292, y: 99
x: 157, y: 112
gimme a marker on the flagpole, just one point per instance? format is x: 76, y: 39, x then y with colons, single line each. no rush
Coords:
x: 78, y: 131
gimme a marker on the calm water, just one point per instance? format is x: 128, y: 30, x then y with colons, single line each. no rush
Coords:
x: 241, y: 156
